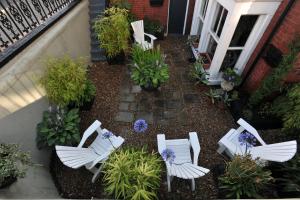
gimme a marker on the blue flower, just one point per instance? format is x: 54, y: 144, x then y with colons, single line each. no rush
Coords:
x: 246, y: 138
x: 140, y: 126
x: 168, y: 155
x: 107, y: 135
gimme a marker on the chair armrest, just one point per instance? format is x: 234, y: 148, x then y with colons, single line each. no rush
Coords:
x: 251, y: 129
x: 161, y: 143
x: 150, y: 36
x: 88, y: 132
x: 195, y: 145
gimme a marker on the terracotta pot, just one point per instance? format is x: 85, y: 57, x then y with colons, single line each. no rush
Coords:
x: 206, y: 59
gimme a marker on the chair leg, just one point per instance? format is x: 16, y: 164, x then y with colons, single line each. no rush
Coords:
x: 193, y: 184
x: 221, y: 149
x: 96, y: 173
x: 169, y: 179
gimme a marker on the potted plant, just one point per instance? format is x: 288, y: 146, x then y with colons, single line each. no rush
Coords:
x: 88, y: 96
x: 206, y: 60
x: 156, y: 2
x: 58, y: 127
x: 13, y: 164
x: 193, y: 40
x: 230, y: 79
x: 148, y: 68
x: 112, y: 31
x: 154, y: 27
x: 65, y: 81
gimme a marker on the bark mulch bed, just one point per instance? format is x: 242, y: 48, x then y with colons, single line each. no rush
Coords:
x: 191, y: 110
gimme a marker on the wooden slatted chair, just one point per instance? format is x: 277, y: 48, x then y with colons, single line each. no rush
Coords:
x: 139, y: 35
x: 182, y: 166
x: 278, y: 152
x: 97, y: 152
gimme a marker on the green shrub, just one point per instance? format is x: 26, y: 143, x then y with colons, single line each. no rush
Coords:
x: 13, y: 162
x: 244, y: 178
x: 274, y: 81
x: 89, y: 92
x: 152, y: 26
x: 59, y: 127
x: 287, y: 106
x: 113, y: 31
x: 64, y: 80
x: 198, y: 73
x: 148, y: 67
x: 120, y: 4
x: 288, y: 179
x: 132, y: 173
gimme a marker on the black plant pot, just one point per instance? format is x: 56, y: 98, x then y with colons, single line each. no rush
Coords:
x: 156, y: 2
x: 87, y: 105
x: 8, y: 181
x: 150, y: 88
x: 116, y: 60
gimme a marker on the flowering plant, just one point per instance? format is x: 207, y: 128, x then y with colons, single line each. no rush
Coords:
x: 107, y: 135
x: 168, y: 155
x: 230, y: 75
x: 246, y: 138
x: 140, y: 126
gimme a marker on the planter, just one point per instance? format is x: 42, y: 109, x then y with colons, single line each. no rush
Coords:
x: 8, y: 181
x: 116, y: 60
x: 87, y: 105
x: 150, y: 88
x: 206, y: 60
x: 156, y: 2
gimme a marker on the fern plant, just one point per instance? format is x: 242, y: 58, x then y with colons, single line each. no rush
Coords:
x: 148, y: 67
x: 112, y: 29
x: 244, y: 178
x: 132, y: 173
x: 64, y: 80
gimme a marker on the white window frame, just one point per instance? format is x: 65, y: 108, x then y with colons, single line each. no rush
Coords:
x: 265, y: 11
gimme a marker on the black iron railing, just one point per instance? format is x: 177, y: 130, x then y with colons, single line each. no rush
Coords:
x: 21, y: 21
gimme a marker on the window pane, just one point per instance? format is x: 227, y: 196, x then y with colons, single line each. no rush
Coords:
x: 212, y: 45
x: 230, y: 59
x: 204, y: 8
x: 218, y: 16
x: 222, y: 22
x: 243, y: 30
x: 200, y: 27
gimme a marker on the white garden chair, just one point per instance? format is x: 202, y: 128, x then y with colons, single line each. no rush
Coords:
x: 139, y: 35
x: 182, y: 166
x: 278, y: 152
x: 97, y: 152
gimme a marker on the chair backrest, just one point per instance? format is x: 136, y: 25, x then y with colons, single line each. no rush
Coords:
x: 278, y: 152
x: 138, y: 28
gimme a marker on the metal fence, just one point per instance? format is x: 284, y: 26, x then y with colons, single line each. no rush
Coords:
x: 20, y: 19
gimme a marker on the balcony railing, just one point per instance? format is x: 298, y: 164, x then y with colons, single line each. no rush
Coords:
x: 21, y: 21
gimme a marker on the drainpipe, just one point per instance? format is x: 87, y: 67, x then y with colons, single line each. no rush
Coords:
x: 277, y: 25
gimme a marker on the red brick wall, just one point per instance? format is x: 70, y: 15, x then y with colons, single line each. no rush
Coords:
x: 142, y: 8
x: 284, y: 35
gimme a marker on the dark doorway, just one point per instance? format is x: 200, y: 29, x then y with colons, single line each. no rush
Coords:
x: 177, y: 16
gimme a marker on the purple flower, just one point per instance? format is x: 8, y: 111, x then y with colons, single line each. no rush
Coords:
x: 168, y: 155
x: 107, y: 135
x: 246, y: 138
x: 140, y: 126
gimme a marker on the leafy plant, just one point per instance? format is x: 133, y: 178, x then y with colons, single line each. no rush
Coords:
x: 152, y: 26
x: 274, y: 81
x: 59, y: 127
x: 112, y: 30
x: 123, y: 4
x: 13, y: 162
x: 231, y: 76
x: 64, y: 80
x: 132, y: 173
x: 288, y: 179
x: 148, y: 67
x: 198, y: 73
x: 221, y: 95
x: 89, y: 92
x: 244, y: 178
x: 287, y: 106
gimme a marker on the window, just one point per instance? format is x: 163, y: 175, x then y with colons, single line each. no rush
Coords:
x: 239, y: 39
x: 202, y: 14
x: 219, y: 20
x: 212, y: 46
